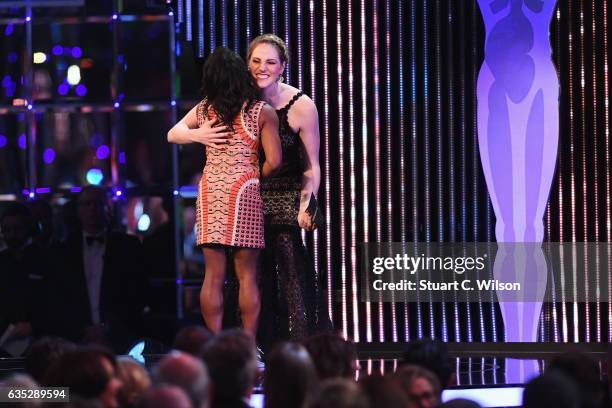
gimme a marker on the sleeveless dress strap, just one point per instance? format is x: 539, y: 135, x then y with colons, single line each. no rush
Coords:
x: 291, y: 102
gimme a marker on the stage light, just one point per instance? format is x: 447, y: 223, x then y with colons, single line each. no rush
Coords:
x: 102, y: 152
x: 118, y: 193
x: 95, y: 176
x: 175, y: 192
x: 21, y: 141
x: 173, y: 103
x: 57, y: 50
x: 74, y: 75
x: 30, y: 106
x: 40, y: 57
x: 9, y: 30
x: 116, y: 105
x: 81, y: 90
x: 144, y: 222
x: 3, y: 141
x: 76, y: 52
x: 136, y: 352
x: 75, y: 190
x: 170, y: 13
x: 115, y: 16
x: 49, y: 156
x: 28, y: 19
x: 32, y: 194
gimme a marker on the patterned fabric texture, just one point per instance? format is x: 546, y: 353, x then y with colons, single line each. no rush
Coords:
x: 229, y: 206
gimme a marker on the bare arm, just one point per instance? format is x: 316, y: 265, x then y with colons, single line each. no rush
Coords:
x: 270, y: 141
x: 311, y: 179
x: 187, y: 131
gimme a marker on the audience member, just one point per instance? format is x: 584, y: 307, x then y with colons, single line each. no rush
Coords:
x: 191, y: 339
x: 102, y: 290
x: 89, y: 373
x: 290, y: 377
x: 43, y: 353
x: 382, y: 392
x: 332, y: 355
x: 551, y: 390
x: 165, y: 396
x: 231, y: 358
x: 42, y: 213
x: 432, y: 355
x: 339, y: 393
x: 135, y: 381
x: 420, y: 386
x: 188, y: 373
x: 24, y: 277
x: 584, y: 372
x: 460, y: 403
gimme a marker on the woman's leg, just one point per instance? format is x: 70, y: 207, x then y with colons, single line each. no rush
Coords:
x: 245, y: 261
x: 211, y: 295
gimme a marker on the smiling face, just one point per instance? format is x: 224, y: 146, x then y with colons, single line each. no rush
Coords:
x: 265, y: 65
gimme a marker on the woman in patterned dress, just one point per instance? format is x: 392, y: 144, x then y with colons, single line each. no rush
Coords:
x: 232, y: 123
x: 299, y: 294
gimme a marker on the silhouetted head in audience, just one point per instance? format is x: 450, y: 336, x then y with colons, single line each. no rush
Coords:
x: 551, y: 390
x: 420, y: 386
x: 17, y: 226
x: 290, y: 376
x: 191, y: 339
x: 383, y: 392
x: 584, y: 372
x: 231, y: 358
x: 339, y: 393
x: 432, y: 355
x: 90, y: 373
x: 93, y: 209
x: 187, y: 372
x: 43, y: 353
x: 42, y: 212
x: 332, y: 355
x: 135, y: 381
x: 164, y: 396
x: 460, y: 403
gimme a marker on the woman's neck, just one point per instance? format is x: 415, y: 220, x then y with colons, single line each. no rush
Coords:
x: 271, y: 94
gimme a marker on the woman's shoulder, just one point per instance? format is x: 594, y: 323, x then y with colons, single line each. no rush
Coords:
x: 299, y: 101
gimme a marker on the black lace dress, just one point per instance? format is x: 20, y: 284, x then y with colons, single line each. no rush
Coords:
x: 293, y: 297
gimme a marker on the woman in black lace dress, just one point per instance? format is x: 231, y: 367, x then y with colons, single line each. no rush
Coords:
x: 296, y: 303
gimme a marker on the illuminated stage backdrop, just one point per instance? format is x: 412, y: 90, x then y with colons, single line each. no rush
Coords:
x: 395, y: 84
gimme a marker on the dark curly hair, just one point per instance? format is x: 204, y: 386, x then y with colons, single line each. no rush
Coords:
x: 227, y: 84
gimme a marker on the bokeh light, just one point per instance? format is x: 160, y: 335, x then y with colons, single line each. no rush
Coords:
x: 49, y: 156
x: 102, y: 152
x: 74, y: 74
x: 21, y: 141
x: 144, y: 222
x: 81, y: 90
x: 95, y: 176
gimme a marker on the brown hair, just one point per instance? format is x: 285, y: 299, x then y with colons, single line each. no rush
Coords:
x: 273, y: 40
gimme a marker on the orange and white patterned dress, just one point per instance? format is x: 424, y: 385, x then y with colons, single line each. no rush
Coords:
x: 229, y: 206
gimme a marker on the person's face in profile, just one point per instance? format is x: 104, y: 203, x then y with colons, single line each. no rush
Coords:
x: 15, y: 231
x: 93, y: 208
